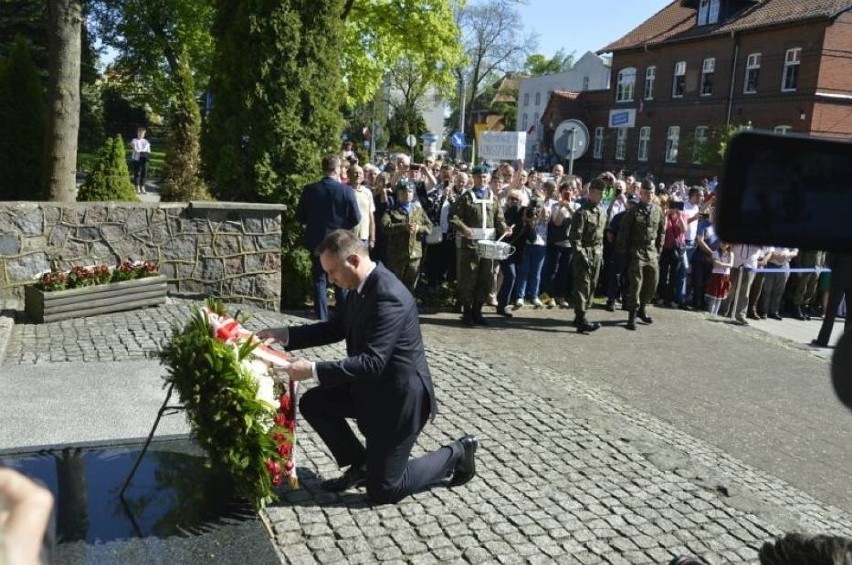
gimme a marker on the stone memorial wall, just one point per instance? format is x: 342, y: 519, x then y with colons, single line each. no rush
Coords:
x: 228, y: 250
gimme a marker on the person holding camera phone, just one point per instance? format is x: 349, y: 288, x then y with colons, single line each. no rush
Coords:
x: 672, y: 255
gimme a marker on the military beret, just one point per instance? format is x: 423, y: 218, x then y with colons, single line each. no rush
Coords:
x: 633, y: 199
x: 404, y: 184
x: 480, y: 170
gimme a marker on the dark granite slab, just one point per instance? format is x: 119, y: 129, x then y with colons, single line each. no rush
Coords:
x: 176, y: 510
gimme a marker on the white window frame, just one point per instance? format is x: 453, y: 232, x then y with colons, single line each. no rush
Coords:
x: 625, y: 88
x: 672, y: 142
x: 701, y: 136
x: 708, y: 69
x: 782, y: 130
x: 679, y: 71
x: 538, y: 98
x: 713, y: 15
x: 703, y: 12
x: 650, y: 81
x: 599, y: 139
x: 644, y: 143
x: 792, y: 60
x: 752, y: 66
x: 621, y: 144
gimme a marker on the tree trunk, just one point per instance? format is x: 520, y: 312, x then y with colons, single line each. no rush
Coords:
x: 64, y: 29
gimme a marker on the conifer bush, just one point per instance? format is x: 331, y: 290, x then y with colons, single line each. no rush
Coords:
x: 109, y: 179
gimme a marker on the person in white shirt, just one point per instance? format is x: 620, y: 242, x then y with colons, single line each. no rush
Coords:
x: 366, y: 228
x: 139, y: 159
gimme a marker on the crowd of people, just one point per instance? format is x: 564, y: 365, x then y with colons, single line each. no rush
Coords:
x: 634, y: 243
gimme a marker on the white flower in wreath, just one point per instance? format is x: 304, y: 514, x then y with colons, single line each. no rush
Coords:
x: 259, y: 371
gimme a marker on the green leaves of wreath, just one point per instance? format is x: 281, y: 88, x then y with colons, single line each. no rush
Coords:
x: 227, y: 419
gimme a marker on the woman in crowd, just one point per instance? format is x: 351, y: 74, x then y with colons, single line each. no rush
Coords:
x: 672, y: 257
x: 383, y: 201
x: 514, y: 214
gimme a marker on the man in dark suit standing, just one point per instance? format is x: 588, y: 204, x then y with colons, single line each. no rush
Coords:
x: 323, y: 207
x: 384, y: 383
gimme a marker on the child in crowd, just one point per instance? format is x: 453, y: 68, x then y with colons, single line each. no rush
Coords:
x: 720, y: 278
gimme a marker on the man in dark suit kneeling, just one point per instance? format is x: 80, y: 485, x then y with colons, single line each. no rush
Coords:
x: 384, y: 383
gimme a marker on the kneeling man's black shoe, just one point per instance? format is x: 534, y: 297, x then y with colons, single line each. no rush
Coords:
x: 355, y: 476
x: 466, y: 465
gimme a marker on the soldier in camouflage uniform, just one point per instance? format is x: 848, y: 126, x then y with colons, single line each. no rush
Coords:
x: 475, y: 276
x: 586, y: 236
x: 641, y: 237
x: 404, y: 225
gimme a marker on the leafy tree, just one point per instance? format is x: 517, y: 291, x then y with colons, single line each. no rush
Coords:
x: 63, y: 122
x: 22, y: 120
x: 277, y: 93
x: 183, y: 151
x: 405, y: 120
x: 150, y: 35
x: 379, y: 33
x: 538, y: 65
x: 109, y: 179
x: 493, y: 46
x: 27, y: 19
x: 711, y: 153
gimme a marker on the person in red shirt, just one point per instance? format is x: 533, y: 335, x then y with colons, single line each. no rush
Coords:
x: 672, y: 257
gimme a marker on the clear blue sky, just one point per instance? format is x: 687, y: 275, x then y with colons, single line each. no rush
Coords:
x: 582, y: 25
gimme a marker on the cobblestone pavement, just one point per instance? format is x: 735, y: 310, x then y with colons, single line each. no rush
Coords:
x: 568, y: 472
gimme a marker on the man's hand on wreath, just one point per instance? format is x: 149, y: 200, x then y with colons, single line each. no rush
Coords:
x: 301, y: 370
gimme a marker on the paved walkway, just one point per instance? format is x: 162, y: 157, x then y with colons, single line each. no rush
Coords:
x: 595, y: 449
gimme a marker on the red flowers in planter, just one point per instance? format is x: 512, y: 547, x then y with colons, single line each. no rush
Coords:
x: 81, y: 276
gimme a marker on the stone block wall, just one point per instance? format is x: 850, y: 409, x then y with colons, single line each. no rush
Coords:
x: 229, y: 250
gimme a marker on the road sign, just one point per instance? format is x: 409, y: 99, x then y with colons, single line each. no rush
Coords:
x: 457, y: 140
x: 571, y: 139
x: 411, y: 140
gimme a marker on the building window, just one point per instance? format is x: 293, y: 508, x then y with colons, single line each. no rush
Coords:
x: 783, y: 130
x: 707, y: 72
x: 526, y: 99
x: 713, y: 17
x: 537, y: 98
x: 524, y: 127
x: 702, y: 133
x: 644, y: 142
x: 621, y: 144
x: 792, y: 59
x: 599, y: 135
x: 585, y: 83
x: 672, y: 139
x: 650, y: 79
x: 679, y: 84
x: 535, y: 123
x: 752, y: 73
x: 703, y: 12
x: 626, y: 85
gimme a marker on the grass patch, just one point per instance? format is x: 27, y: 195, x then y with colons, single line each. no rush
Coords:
x: 85, y: 161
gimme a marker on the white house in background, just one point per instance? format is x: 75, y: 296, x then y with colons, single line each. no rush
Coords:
x: 590, y: 72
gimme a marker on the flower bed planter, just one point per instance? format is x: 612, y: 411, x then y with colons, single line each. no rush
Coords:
x: 55, y: 305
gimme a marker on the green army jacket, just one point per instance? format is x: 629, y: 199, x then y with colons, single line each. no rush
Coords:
x: 401, y: 243
x: 642, y: 233
x: 467, y: 213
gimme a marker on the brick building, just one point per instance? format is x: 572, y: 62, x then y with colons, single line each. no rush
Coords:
x: 697, y: 65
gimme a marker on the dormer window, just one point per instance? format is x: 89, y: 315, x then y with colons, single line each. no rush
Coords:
x: 708, y: 12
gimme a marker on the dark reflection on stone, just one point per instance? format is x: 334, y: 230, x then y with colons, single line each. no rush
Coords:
x: 175, y: 510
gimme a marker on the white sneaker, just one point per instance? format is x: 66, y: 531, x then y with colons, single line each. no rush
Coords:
x: 519, y: 303
x: 537, y: 303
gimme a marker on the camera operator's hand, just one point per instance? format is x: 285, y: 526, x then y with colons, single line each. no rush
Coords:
x: 25, y: 521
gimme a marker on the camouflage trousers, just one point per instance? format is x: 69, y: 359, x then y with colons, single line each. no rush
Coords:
x: 643, y: 279
x: 406, y: 270
x: 475, y: 277
x: 586, y: 266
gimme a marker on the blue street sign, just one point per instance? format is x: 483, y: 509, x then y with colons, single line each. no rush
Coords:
x: 457, y: 140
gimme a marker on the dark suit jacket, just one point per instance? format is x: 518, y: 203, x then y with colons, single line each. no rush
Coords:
x: 326, y: 206
x: 386, y: 365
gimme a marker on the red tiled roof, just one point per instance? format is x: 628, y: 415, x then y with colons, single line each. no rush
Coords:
x: 675, y: 22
